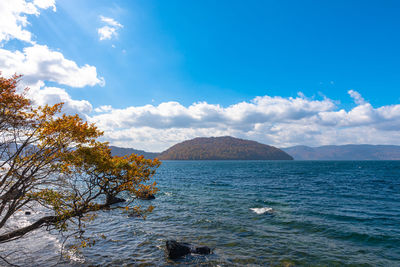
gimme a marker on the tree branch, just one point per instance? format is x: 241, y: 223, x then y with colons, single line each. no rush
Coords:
x: 48, y: 220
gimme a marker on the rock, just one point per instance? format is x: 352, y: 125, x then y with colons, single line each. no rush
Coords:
x: 27, y: 213
x: 147, y: 197
x: 134, y: 215
x: 202, y: 250
x: 177, y: 250
x: 114, y: 200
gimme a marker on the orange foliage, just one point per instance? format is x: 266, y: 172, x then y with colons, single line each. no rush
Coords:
x: 55, y: 160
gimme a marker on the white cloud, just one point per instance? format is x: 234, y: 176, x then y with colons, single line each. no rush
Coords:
x: 272, y: 120
x: 357, y: 97
x: 42, y: 95
x: 44, y: 4
x: 204, y: 115
x: 275, y: 120
x: 105, y: 108
x: 106, y: 32
x: 110, y: 30
x: 39, y: 63
x: 13, y: 18
x: 111, y: 22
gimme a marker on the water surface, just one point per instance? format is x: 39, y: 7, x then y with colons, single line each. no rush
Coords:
x: 255, y: 213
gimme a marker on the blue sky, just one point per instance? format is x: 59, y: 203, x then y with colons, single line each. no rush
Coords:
x: 279, y: 72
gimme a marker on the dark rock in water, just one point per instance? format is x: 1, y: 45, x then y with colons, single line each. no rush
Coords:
x: 27, y: 213
x: 114, y: 200
x: 177, y: 250
x: 202, y: 250
x: 147, y: 196
x: 134, y: 215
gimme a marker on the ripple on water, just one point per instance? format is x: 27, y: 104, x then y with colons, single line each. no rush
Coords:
x: 325, y: 214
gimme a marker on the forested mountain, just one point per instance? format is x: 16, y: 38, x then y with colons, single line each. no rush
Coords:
x: 345, y: 152
x: 121, y: 151
x: 215, y: 148
x: 223, y: 148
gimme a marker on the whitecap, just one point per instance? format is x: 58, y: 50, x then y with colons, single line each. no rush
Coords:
x: 262, y: 210
x: 74, y: 256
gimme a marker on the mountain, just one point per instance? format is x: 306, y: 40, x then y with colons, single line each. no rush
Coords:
x: 121, y: 151
x: 222, y: 148
x: 238, y: 149
x: 345, y: 152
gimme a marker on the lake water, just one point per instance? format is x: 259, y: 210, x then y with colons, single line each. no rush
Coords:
x: 251, y: 213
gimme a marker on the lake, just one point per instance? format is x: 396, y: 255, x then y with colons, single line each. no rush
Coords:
x: 254, y: 213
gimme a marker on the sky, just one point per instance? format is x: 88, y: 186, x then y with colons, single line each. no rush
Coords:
x: 152, y: 73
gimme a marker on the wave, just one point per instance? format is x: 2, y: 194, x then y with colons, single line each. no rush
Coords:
x: 262, y: 210
x: 48, y: 242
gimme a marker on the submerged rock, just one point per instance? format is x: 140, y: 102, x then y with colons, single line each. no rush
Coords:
x: 114, y: 200
x: 146, y: 196
x: 177, y: 250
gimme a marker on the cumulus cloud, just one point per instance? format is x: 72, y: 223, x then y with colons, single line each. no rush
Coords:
x: 39, y: 63
x: 105, y: 108
x: 110, y: 29
x: 42, y: 95
x: 204, y: 115
x: 13, y: 18
x: 272, y: 120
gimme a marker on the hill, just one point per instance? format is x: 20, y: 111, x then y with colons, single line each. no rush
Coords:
x: 345, y: 152
x: 121, y: 151
x: 222, y: 148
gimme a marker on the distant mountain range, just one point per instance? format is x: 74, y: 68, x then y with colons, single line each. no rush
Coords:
x: 234, y: 148
x: 345, y: 152
x: 222, y: 148
x: 121, y: 151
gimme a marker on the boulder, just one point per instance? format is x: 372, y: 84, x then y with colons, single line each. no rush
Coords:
x: 202, y: 250
x: 177, y: 250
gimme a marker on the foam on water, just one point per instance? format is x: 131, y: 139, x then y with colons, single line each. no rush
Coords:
x: 262, y: 210
x: 39, y: 240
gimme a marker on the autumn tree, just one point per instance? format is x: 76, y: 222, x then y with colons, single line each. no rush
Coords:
x: 54, y: 163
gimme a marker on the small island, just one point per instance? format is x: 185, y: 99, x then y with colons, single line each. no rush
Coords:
x: 223, y: 148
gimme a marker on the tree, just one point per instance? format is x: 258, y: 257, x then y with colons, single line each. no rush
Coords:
x: 54, y: 163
